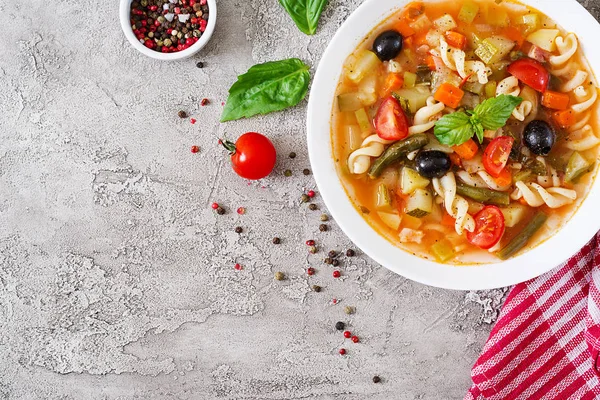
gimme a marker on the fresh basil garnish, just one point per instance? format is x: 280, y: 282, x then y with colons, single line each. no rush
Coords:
x: 456, y: 128
x: 305, y: 13
x: 268, y: 87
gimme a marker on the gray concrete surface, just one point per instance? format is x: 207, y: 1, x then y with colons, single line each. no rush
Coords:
x: 116, y: 277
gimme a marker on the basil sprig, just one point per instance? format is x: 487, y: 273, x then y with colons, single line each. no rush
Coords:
x: 305, y: 13
x: 456, y: 128
x: 268, y: 87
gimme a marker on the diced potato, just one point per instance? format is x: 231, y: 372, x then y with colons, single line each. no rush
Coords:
x: 475, y: 207
x: 433, y: 38
x: 445, y: 23
x: 419, y: 204
x: 394, y: 67
x: 576, y: 167
x: 354, y: 137
x: 391, y: 220
x: 349, y: 102
x: 494, y: 49
x: 532, y: 22
x: 360, y: 66
x: 367, y: 90
x: 513, y: 214
x: 411, y: 236
x: 468, y: 12
x: 544, y: 39
x: 364, y: 122
x: 411, y: 181
x: 411, y: 222
x: 417, y: 97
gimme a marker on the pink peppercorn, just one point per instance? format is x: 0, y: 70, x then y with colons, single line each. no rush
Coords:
x: 215, y: 206
x: 241, y: 211
x: 347, y: 334
x: 310, y: 271
x: 337, y: 274
x: 311, y: 193
x: 196, y: 149
x: 355, y: 339
x: 342, y: 351
x: 310, y: 242
x: 193, y: 121
x: 237, y: 267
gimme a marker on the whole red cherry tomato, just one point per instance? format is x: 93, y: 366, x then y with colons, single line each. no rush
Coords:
x: 489, y: 228
x: 531, y: 73
x: 391, y: 122
x: 252, y: 156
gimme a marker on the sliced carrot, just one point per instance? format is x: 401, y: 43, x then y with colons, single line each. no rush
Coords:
x: 430, y: 62
x: 392, y: 82
x: 449, y: 94
x: 456, y: 39
x: 405, y: 29
x: 456, y: 160
x: 555, y: 100
x: 468, y: 150
x: 515, y: 35
x: 412, y: 11
x: 565, y: 118
x: 447, y: 220
x: 505, y: 178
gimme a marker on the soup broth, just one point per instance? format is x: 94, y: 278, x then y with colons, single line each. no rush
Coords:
x: 421, y: 139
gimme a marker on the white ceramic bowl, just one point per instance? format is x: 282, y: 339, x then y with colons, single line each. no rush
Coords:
x: 574, y: 235
x: 124, y: 15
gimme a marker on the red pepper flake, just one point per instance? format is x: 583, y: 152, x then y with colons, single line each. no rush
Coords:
x: 311, y: 193
x: 342, y: 351
x: 204, y: 102
x: 241, y: 211
x: 222, y: 103
x: 310, y: 271
x: 214, y: 206
x: 337, y: 274
x: 347, y: 334
x: 195, y: 149
x: 310, y: 242
x: 237, y: 266
x: 193, y: 121
x: 355, y: 339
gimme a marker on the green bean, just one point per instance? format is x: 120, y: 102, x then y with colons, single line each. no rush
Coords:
x: 396, y: 152
x: 483, y: 195
x: 519, y: 241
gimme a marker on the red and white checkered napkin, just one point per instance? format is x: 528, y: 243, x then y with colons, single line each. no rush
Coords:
x: 546, y: 343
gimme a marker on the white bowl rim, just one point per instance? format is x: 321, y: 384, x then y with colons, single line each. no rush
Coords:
x: 572, y: 237
x: 124, y: 13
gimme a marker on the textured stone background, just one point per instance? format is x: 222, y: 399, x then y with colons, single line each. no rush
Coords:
x: 116, y: 277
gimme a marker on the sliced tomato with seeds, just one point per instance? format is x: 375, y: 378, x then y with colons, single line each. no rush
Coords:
x: 496, y: 155
x: 530, y: 72
x: 489, y: 228
x: 391, y: 122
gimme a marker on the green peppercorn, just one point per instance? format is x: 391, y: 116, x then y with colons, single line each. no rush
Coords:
x: 179, y: 35
x: 167, y: 42
x: 323, y: 228
x: 144, y: 3
x: 181, y: 113
x: 306, y: 171
x: 316, y: 288
x: 279, y: 276
x: 150, y: 34
x: 328, y: 260
x: 287, y: 173
x: 312, y: 249
x: 305, y: 198
x: 161, y: 19
x: 349, y: 310
x: 197, y: 7
x: 313, y: 207
x: 159, y: 43
x: 324, y: 217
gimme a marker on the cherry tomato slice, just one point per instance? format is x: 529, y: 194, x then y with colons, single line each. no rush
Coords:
x: 531, y: 73
x: 489, y: 228
x: 253, y: 156
x: 496, y: 155
x: 391, y: 122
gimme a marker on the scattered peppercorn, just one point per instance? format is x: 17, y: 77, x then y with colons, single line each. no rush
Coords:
x: 310, y: 271
x: 376, y: 379
x: 332, y: 254
x: 310, y: 242
x: 355, y: 339
x: 324, y: 218
x: 342, y: 351
x: 276, y: 240
x: 312, y: 249
x: 204, y: 102
x: 237, y: 266
x: 214, y: 206
x: 220, y: 210
x: 323, y: 228
x: 350, y: 253
x: 200, y: 64
x: 306, y: 171
x: 349, y: 310
x: 238, y: 229
x: 241, y: 210
x: 340, y: 326
x: 182, y: 114
x: 311, y: 193
x: 312, y: 207
x: 279, y: 276
x: 316, y: 288
x: 347, y: 334
x: 335, y: 263
x: 337, y: 274
x: 292, y: 155
x: 304, y: 198
x: 328, y: 260
x: 287, y: 172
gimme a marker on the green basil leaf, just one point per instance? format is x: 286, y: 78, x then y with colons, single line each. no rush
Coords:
x: 268, y: 87
x: 493, y: 113
x: 305, y: 13
x: 453, y: 129
x: 479, y: 131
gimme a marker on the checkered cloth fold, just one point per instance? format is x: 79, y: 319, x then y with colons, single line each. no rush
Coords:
x: 546, y: 342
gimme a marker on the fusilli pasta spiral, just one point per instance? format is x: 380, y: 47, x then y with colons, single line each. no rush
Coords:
x: 426, y: 117
x: 587, y: 139
x: 454, y: 204
x: 536, y: 196
x: 455, y: 60
x: 567, y: 47
x: 480, y: 179
x: 585, y: 98
x: 510, y: 86
x: 360, y: 160
x: 551, y: 179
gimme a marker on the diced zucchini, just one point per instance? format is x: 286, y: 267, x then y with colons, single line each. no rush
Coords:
x: 363, y: 63
x: 367, y: 90
x: 404, y: 103
x: 419, y: 203
x: 391, y: 220
x: 474, y: 40
x: 532, y: 22
x: 468, y: 12
x: 513, y: 214
x: 411, y: 222
x: 353, y: 137
x: 383, y: 202
x: 443, y: 251
x: 474, y: 87
x: 544, y: 39
x: 423, y: 74
x: 524, y: 176
x: 475, y: 206
x: 411, y: 181
x: 421, y: 24
x: 494, y: 49
x: 364, y: 122
x: 349, y: 102
x: 576, y: 167
x: 445, y: 23
x: 417, y: 97
x: 410, y: 79
x: 490, y: 89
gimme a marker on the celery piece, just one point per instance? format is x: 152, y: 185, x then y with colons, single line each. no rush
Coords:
x: 445, y: 23
x: 410, y: 79
x: 474, y: 40
x: 494, y: 48
x: 349, y: 102
x: 532, y: 22
x: 443, y: 251
x: 353, y: 137
x: 468, y: 12
x: 576, y: 167
x: 384, y: 202
x: 363, y: 121
x: 490, y: 89
x: 524, y: 176
x: 363, y: 63
x: 544, y: 39
x: 486, y: 51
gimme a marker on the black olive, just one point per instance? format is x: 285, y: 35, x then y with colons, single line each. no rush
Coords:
x: 539, y: 137
x: 388, y: 45
x: 432, y: 164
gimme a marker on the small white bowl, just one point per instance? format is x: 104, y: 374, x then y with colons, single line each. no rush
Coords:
x: 124, y: 13
x: 574, y: 235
